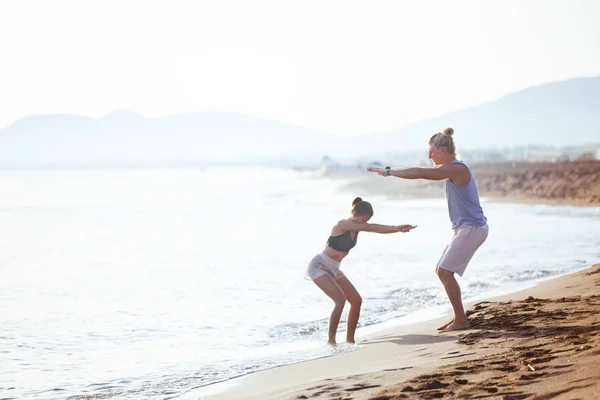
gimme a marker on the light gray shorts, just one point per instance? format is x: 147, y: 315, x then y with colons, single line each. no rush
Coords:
x: 465, y: 242
x: 323, y: 265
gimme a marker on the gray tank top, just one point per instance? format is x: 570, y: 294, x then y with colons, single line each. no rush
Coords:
x: 463, y: 202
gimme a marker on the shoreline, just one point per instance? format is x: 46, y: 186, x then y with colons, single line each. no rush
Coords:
x: 374, y: 368
x: 533, y: 200
x: 399, y: 354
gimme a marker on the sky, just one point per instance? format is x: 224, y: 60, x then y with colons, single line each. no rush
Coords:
x: 339, y: 66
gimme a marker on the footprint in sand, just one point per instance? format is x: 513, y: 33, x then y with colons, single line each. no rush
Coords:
x: 530, y: 377
x: 397, y: 369
x: 361, y: 386
x: 490, y: 389
x: 457, y: 356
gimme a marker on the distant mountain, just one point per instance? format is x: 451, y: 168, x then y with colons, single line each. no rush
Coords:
x: 556, y: 114
x: 559, y: 114
x: 127, y: 138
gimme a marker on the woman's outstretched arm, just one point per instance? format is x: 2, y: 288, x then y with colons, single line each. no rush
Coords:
x: 352, y: 226
x: 446, y: 171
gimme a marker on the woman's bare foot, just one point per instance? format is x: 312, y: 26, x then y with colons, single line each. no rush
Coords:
x: 447, y: 324
x: 456, y: 326
x: 331, y: 343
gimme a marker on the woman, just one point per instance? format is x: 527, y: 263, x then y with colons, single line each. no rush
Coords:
x: 469, y: 224
x: 324, y: 269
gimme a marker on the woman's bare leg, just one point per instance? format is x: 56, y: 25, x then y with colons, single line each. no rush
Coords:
x: 331, y: 289
x: 447, y: 324
x: 355, y: 301
x: 452, y: 288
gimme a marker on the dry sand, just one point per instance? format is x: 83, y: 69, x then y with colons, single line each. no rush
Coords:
x: 548, y: 347
x: 565, y: 183
x: 572, y: 183
x: 540, y: 343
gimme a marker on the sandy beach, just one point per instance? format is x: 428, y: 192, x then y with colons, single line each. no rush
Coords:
x: 575, y: 183
x: 567, y: 183
x: 539, y: 343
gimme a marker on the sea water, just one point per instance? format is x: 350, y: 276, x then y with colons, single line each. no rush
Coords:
x: 150, y: 283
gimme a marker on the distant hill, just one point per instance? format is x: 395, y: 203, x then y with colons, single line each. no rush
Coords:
x: 559, y: 114
x: 556, y: 114
x: 127, y: 138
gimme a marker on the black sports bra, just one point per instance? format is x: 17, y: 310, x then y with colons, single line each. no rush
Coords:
x: 342, y: 242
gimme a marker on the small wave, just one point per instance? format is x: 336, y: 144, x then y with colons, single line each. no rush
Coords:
x: 173, y: 386
x: 571, y: 211
x: 292, y: 330
x: 399, y: 303
x: 528, y: 275
x: 418, y: 297
x: 480, y: 286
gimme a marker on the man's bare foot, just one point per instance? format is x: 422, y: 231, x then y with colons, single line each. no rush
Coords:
x: 447, y: 324
x: 456, y: 326
x: 331, y: 343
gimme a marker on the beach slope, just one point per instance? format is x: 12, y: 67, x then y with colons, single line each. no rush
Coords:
x: 540, y: 343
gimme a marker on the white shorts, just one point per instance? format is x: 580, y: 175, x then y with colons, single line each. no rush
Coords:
x: 322, y: 265
x: 465, y: 242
